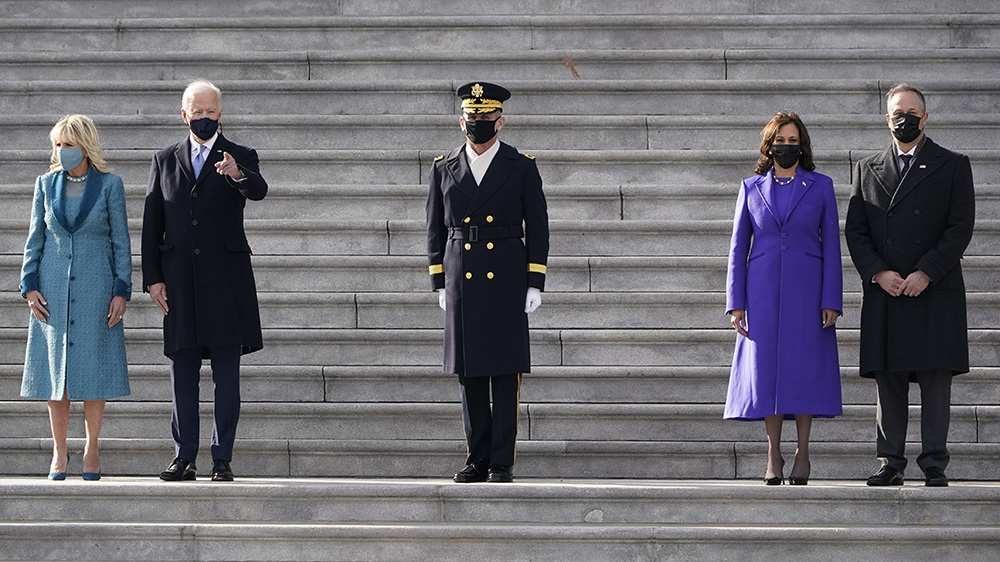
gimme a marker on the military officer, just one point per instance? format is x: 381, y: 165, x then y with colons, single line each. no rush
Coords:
x: 487, y: 246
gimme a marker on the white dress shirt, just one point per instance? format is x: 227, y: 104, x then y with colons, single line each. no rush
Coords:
x: 479, y: 163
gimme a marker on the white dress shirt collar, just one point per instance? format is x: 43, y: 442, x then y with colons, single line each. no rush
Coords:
x: 479, y: 163
x: 208, y: 146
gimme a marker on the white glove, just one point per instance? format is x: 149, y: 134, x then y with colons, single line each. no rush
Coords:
x: 532, y: 300
x: 441, y: 302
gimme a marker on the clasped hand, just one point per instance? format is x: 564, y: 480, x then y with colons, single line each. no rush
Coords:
x: 894, y: 284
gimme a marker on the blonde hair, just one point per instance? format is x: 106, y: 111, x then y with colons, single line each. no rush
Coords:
x: 79, y: 130
x: 200, y: 86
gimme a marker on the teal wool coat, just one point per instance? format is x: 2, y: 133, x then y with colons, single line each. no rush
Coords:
x: 78, y: 267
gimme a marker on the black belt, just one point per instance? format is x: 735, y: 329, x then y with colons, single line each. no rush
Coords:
x: 477, y: 233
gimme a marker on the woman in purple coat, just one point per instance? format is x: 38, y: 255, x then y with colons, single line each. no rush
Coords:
x: 784, y: 292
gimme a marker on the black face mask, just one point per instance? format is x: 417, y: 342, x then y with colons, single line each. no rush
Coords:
x: 906, y: 127
x: 204, y: 128
x: 786, y: 155
x: 480, y: 132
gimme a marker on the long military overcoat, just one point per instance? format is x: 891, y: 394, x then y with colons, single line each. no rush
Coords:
x: 193, y: 240
x: 477, y: 256
x: 926, y: 224
x: 78, y: 266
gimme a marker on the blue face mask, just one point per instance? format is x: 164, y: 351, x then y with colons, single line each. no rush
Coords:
x: 70, y: 158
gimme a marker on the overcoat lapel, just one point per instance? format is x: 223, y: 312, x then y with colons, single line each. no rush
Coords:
x: 211, y: 159
x: 498, y: 172
x: 183, y: 153
x: 803, y: 181
x: 765, y: 187
x: 885, y: 172
x: 927, y: 159
x: 91, y: 192
x: 461, y: 173
x: 90, y: 195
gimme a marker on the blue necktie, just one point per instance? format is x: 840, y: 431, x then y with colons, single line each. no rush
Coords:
x: 199, y: 161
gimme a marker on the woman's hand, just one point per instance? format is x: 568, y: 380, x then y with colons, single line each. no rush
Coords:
x: 738, y: 318
x: 36, y: 302
x: 830, y: 317
x: 116, y: 311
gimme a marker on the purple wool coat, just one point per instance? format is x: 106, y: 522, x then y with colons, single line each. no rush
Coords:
x: 784, y: 268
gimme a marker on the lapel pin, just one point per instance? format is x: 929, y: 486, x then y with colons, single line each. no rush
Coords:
x: 923, y: 166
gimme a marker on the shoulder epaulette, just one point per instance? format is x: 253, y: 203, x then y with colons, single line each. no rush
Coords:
x: 439, y: 158
x: 529, y: 157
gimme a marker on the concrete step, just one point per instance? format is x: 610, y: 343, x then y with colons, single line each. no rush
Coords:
x: 574, y: 501
x: 519, y: 31
x: 545, y: 384
x: 447, y: 542
x: 540, y: 97
x: 412, y: 347
x: 565, y: 202
x: 566, y: 273
x: 310, y: 458
x: 711, y: 63
x: 192, y: 8
x: 552, y: 132
x: 443, y: 421
x: 560, y: 167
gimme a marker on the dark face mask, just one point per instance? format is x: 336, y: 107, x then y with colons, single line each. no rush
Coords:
x: 786, y: 155
x: 906, y: 127
x: 480, y: 132
x: 204, y: 128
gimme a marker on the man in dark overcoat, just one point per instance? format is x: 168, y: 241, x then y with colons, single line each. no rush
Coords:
x: 484, y: 198
x: 196, y: 268
x: 909, y: 220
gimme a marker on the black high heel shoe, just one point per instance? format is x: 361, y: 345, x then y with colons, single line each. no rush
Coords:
x: 801, y: 480
x: 777, y: 480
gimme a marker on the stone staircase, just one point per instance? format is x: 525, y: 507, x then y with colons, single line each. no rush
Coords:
x: 643, y: 116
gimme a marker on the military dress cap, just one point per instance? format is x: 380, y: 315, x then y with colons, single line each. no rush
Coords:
x: 482, y: 97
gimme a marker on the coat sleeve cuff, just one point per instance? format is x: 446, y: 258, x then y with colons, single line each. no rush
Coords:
x: 437, y: 276
x: 123, y: 288
x: 536, y: 275
x: 29, y: 283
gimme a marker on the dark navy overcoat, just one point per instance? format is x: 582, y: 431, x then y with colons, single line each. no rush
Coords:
x: 486, y: 245
x: 193, y: 240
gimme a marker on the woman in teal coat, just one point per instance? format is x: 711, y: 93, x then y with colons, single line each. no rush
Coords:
x: 76, y: 277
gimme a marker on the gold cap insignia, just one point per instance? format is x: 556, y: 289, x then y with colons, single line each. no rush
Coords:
x: 477, y: 90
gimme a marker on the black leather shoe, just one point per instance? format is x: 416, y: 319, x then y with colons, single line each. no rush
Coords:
x: 500, y: 473
x: 179, y: 469
x: 934, y: 477
x: 473, y: 472
x: 221, y: 471
x: 886, y: 476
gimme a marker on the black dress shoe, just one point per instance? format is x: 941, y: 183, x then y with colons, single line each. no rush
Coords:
x: 221, y: 471
x: 934, y: 477
x: 179, y: 469
x: 500, y: 473
x: 473, y: 472
x: 886, y: 476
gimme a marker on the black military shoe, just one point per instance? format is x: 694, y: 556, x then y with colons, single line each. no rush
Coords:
x: 473, y: 472
x: 500, y: 473
x: 886, y: 476
x: 179, y: 469
x: 934, y: 477
x: 221, y: 471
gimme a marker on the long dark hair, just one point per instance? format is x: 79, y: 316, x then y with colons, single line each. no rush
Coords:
x: 767, y: 134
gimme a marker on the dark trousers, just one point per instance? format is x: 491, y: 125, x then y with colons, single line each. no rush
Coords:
x: 491, y: 432
x: 935, y: 416
x: 185, y: 365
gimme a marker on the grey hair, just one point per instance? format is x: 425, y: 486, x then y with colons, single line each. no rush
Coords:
x: 199, y: 86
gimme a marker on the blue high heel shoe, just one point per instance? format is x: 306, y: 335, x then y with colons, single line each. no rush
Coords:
x: 59, y: 475
x: 92, y: 475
